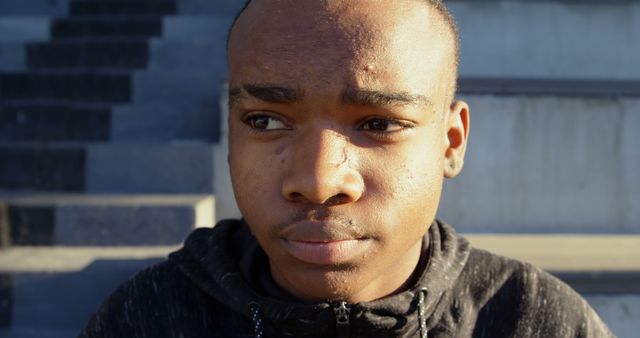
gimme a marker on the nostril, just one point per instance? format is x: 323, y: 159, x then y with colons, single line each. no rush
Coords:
x: 296, y: 196
x: 338, y: 199
x: 333, y: 200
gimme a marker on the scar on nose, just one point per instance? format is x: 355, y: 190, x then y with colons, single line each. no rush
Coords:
x: 345, y: 157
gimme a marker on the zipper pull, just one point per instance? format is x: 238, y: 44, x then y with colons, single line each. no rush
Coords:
x: 342, y: 312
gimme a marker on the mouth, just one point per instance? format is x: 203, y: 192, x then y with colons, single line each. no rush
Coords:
x: 323, y: 243
x: 325, y: 253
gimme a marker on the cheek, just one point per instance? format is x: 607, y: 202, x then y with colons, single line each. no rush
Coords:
x: 407, y: 184
x: 401, y: 172
x: 245, y: 176
x: 256, y: 172
x: 422, y: 176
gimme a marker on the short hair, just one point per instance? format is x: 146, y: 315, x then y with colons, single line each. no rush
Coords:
x: 438, y: 5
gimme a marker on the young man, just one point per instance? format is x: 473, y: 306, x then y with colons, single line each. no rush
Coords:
x: 342, y: 127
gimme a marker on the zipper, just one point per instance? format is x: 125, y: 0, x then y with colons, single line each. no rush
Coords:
x: 342, y: 312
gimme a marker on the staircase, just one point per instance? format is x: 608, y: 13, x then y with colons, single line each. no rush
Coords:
x: 112, y: 145
x: 110, y: 123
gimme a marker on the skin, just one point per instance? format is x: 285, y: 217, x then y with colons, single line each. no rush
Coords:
x: 342, y: 128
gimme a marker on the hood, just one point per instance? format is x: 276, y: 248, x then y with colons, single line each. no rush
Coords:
x: 211, y: 258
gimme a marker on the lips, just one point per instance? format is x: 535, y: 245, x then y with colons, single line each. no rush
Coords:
x: 325, y: 253
x: 323, y: 243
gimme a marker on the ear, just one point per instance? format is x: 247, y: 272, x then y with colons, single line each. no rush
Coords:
x: 457, y: 126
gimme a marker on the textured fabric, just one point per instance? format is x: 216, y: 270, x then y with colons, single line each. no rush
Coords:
x: 215, y: 287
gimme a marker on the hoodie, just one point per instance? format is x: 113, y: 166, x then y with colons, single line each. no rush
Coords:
x: 219, y: 285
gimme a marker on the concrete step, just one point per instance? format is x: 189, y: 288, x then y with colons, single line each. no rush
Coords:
x: 140, y: 87
x: 168, y: 87
x: 36, y: 283
x: 23, y: 29
x: 173, y: 54
x: 80, y: 86
x: 171, y: 168
x: 588, y: 88
x: 549, y: 39
x: 125, y: 123
x: 42, y: 168
x: 196, y: 27
x: 12, y: 56
x: 550, y: 165
x: 164, y: 167
x: 221, y: 8
x: 155, y: 122
x: 122, y: 7
x: 619, y: 312
x: 100, y: 54
x: 189, y: 43
x: 106, y: 27
x: 44, y: 8
x: 54, y: 123
x: 590, y: 263
x: 101, y: 220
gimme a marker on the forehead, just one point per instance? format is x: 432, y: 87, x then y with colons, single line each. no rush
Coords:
x: 363, y: 42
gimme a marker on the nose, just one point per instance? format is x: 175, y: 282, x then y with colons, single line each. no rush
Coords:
x: 322, y: 171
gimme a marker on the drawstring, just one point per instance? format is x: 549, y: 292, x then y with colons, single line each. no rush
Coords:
x: 421, y: 315
x: 256, y: 318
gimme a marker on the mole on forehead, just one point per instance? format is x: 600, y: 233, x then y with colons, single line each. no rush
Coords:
x: 369, y: 68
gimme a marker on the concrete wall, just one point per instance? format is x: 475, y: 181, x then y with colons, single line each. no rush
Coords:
x: 548, y: 165
x: 620, y: 312
x: 577, y: 39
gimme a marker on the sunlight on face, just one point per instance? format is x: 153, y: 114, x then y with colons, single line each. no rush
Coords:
x: 337, y: 142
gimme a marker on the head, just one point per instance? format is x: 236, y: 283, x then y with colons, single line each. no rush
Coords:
x: 342, y: 128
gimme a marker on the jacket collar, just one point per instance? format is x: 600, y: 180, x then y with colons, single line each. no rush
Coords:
x: 211, y: 259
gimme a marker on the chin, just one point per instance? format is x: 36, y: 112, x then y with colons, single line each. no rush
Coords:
x: 327, y: 284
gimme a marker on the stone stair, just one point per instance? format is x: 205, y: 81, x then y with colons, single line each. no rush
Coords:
x: 55, y: 290
x: 109, y: 125
x: 102, y: 220
x: 125, y: 8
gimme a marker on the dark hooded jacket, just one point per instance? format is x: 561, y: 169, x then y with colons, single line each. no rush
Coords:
x: 218, y: 285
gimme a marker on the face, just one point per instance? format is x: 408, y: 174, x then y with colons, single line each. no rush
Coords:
x: 341, y: 130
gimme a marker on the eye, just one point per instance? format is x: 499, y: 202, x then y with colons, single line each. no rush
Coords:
x: 383, y: 125
x: 265, y: 122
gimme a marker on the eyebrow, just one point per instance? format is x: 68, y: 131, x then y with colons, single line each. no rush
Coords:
x: 266, y: 92
x: 376, y: 98
x: 351, y: 96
